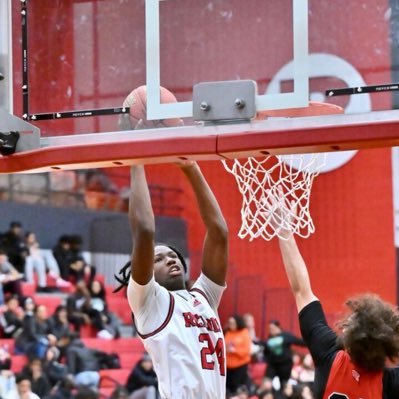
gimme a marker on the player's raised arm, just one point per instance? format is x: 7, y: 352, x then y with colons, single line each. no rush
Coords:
x: 294, y: 264
x: 142, y: 223
x: 214, y: 258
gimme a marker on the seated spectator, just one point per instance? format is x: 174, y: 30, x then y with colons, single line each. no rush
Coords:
x: 267, y: 395
x: 98, y: 302
x: 64, y: 255
x: 11, y: 317
x: 59, y: 323
x: 5, y: 359
x: 302, y: 391
x: 62, y: 390
x: 306, y: 375
x: 79, y: 269
x: 142, y: 382
x: 120, y: 393
x: 265, y: 387
x: 238, y: 354
x: 23, y: 389
x: 13, y: 244
x: 82, y: 362
x: 38, y: 262
x: 81, y: 312
x: 35, y: 336
x: 241, y: 393
x: 56, y: 372
x: 10, y: 277
x: 297, y: 366
x: 40, y: 384
x: 7, y: 382
x: 86, y: 393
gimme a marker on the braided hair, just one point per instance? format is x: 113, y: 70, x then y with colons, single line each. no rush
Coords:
x: 125, y: 271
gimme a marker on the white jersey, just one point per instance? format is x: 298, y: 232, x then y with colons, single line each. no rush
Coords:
x: 181, y: 331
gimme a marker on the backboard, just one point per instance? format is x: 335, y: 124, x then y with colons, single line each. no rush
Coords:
x: 80, y: 59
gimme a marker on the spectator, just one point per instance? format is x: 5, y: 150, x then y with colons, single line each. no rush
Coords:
x: 82, y: 362
x: 23, y: 389
x: 278, y: 353
x: 59, y: 323
x: 86, y: 393
x: 5, y: 358
x: 142, y: 382
x: 37, y: 261
x: 265, y: 387
x: 14, y: 246
x: 74, y: 304
x: 10, y: 277
x: 302, y: 391
x: 266, y: 395
x: 120, y: 393
x: 99, y: 303
x: 81, y: 311
x: 238, y: 354
x: 64, y: 255
x: 40, y: 384
x: 306, y: 375
x: 35, y: 336
x: 79, y: 269
x: 7, y: 382
x: 54, y: 370
x: 241, y: 393
x: 256, y: 350
x: 11, y: 317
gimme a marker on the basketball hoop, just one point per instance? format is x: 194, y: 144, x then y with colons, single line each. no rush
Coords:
x: 293, y: 173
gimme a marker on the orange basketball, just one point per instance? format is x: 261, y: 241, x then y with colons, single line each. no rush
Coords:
x: 137, y: 102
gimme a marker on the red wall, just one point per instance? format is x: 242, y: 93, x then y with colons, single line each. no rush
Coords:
x: 353, y: 249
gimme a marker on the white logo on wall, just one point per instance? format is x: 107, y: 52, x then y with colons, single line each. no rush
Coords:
x: 323, y: 65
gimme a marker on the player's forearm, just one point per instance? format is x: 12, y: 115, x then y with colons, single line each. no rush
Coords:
x: 141, y: 215
x: 208, y: 206
x: 297, y: 272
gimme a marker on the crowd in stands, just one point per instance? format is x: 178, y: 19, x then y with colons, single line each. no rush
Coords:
x: 266, y: 369
x: 47, y: 353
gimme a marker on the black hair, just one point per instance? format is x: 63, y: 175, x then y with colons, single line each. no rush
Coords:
x: 275, y: 322
x: 125, y: 271
x: 239, y: 321
x: 21, y: 377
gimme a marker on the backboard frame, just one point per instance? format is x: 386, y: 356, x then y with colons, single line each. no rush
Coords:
x: 298, y: 98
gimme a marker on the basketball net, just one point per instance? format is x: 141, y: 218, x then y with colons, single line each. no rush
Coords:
x: 293, y: 173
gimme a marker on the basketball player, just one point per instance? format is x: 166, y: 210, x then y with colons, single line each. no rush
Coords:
x: 353, y: 364
x: 180, y: 329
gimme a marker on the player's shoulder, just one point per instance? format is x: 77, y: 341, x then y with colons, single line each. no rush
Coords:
x: 391, y: 382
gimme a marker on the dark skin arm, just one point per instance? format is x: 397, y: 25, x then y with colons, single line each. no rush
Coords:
x: 141, y: 217
x: 142, y: 223
x: 215, y: 249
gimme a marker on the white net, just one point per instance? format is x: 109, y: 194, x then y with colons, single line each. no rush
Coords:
x: 294, y: 174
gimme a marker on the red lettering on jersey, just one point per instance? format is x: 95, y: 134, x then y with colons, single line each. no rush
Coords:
x: 189, y: 319
x: 200, y: 321
x: 196, y: 320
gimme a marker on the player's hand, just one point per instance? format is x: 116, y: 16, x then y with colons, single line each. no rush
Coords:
x: 279, y: 211
x: 186, y: 164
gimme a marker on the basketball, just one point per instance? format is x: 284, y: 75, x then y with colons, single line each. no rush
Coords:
x: 137, y: 102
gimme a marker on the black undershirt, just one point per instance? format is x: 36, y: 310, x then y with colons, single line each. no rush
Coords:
x: 322, y: 343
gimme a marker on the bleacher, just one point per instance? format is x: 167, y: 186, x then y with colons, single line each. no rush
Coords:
x: 128, y: 349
